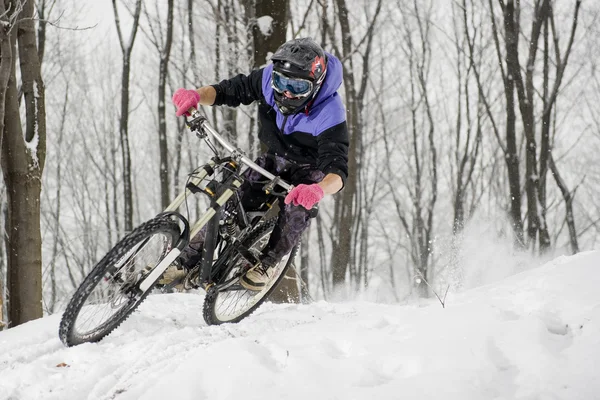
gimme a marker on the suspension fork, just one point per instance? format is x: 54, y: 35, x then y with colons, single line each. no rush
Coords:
x: 208, y: 251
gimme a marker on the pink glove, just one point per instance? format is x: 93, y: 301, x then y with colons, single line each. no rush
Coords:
x: 305, y: 195
x: 184, y: 99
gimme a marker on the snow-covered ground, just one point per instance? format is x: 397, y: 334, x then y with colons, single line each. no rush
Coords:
x: 535, y: 335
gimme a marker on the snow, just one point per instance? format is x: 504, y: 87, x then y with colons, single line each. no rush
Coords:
x: 534, y: 335
x: 265, y: 24
x: 32, y: 145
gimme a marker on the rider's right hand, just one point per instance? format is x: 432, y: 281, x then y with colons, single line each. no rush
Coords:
x: 184, y: 99
x: 305, y: 195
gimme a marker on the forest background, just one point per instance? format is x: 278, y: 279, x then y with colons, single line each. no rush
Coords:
x: 475, y: 130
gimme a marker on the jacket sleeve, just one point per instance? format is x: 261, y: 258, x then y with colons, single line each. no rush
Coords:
x: 333, y: 151
x: 242, y: 89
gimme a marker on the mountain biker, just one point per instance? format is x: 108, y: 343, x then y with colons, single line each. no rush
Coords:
x: 303, y: 126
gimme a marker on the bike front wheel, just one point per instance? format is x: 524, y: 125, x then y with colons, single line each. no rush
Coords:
x: 110, y: 293
x: 235, y: 303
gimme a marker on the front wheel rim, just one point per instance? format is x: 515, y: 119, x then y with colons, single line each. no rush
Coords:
x: 113, y: 293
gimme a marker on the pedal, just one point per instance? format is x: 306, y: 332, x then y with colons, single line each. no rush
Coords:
x: 249, y: 267
x: 192, y: 279
x: 173, y: 286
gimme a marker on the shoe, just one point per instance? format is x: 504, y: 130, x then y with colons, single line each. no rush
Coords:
x: 175, y: 272
x: 257, y: 277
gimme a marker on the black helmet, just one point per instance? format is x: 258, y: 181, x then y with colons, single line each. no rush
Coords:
x: 299, y: 68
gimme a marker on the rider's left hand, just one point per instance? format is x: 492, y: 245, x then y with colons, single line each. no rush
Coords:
x: 305, y: 195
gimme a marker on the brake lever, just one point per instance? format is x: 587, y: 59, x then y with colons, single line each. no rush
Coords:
x: 269, y: 188
x: 194, y: 123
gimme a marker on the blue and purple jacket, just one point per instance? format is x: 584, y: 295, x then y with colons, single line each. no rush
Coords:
x: 318, y: 137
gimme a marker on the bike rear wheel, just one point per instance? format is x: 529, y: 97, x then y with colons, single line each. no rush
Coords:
x: 235, y: 302
x: 109, y: 293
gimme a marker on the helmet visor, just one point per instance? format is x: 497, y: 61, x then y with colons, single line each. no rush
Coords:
x: 295, y: 86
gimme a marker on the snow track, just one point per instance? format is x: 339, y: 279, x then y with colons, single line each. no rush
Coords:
x: 535, y: 335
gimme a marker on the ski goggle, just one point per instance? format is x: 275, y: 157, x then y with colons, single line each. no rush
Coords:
x: 296, y: 86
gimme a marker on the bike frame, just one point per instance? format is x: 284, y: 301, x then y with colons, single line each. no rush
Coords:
x: 199, y: 125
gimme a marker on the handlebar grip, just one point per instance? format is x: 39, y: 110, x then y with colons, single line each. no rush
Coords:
x: 313, y: 212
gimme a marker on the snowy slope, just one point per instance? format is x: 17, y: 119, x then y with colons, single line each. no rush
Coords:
x: 535, y: 335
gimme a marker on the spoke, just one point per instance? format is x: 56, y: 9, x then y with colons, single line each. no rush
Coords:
x: 232, y: 303
x: 109, y: 297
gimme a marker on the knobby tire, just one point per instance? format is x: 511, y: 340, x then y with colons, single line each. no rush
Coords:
x: 67, y: 332
x: 210, y: 301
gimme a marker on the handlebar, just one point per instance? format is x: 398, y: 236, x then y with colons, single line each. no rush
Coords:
x: 200, y: 123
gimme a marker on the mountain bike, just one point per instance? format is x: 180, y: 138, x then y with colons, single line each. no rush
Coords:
x: 234, y: 238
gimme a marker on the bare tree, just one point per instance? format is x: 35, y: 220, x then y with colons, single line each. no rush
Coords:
x: 355, y: 85
x: 163, y: 46
x: 509, y: 146
x: 56, y: 212
x: 269, y: 32
x: 181, y: 78
x: 526, y: 91
x: 228, y: 48
x: 44, y: 9
x: 23, y: 157
x: 268, y: 25
x: 421, y: 181
x: 549, y: 97
x: 83, y: 179
x: 468, y: 129
x: 6, y: 60
x: 126, y: 49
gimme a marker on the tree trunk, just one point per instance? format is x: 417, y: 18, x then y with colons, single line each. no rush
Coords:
x: 341, y: 248
x: 512, y: 155
x: 268, y: 42
x: 568, y: 197
x: 512, y: 163
x: 287, y: 290
x: 126, y: 48
x: 23, y: 158
x: 265, y: 43
x: 544, y: 238
x: 525, y: 94
x: 2, y: 323
x: 523, y: 81
x: 304, y: 263
x: 512, y: 28
x: 348, y: 201
x: 229, y: 120
x: 58, y: 206
x: 165, y: 53
x: 125, y: 152
x: 509, y: 147
x: 5, y: 71
x: 43, y: 17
